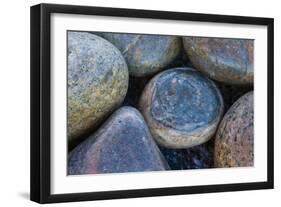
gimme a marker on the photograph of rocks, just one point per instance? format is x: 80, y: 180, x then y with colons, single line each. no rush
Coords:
x: 150, y: 102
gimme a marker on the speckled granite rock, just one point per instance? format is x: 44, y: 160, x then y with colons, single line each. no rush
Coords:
x: 122, y: 144
x: 226, y: 60
x: 181, y: 107
x: 145, y: 54
x: 198, y: 157
x: 97, y: 81
x: 234, y: 142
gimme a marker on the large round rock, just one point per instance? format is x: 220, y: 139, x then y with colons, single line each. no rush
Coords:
x: 225, y: 60
x: 145, y: 54
x: 122, y: 144
x: 234, y: 143
x: 181, y: 107
x: 97, y: 81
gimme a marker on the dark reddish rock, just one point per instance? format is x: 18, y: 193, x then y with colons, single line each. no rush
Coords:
x: 97, y: 82
x: 198, y: 157
x: 234, y: 142
x: 225, y: 60
x: 145, y: 54
x: 181, y: 107
x: 122, y: 144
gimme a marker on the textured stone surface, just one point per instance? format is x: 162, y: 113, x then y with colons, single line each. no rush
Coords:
x: 226, y: 60
x: 198, y: 157
x: 145, y: 54
x: 122, y: 144
x: 181, y: 107
x: 234, y: 143
x: 97, y: 81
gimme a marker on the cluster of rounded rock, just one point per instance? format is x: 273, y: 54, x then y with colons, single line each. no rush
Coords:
x: 179, y: 110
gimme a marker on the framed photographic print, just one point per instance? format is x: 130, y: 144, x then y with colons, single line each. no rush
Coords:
x: 132, y: 103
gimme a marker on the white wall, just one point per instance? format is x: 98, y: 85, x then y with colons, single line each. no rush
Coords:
x: 14, y: 93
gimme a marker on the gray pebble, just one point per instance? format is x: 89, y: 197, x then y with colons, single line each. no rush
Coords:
x: 145, y: 54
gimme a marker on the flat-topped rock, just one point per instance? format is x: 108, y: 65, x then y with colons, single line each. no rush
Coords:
x: 122, y: 144
x: 181, y: 107
x: 234, y: 142
x: 145, y: 54
x: 97, y: 82
x: 222, y: 59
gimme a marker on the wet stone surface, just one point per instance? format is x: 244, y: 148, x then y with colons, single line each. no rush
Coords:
x: 122, y: 144
x: 234, y: 142
x: 145, y: 54
x: 181, y: 107
x: 97, y: 82
x: 225, y: 60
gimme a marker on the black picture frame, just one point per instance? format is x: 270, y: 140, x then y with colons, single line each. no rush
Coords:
x: 41, y: 99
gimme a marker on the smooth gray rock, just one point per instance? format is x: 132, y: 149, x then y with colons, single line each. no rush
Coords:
x: 97, y: 82
x: 181, y: 107
x: 122, y: 144
x: 145, y: 54
x: 226, y: 60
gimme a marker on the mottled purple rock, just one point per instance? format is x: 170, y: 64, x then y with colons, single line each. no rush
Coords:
x: 222, y: 59
x: 145, y: 54
x: 97, y: 82
x: 122, y: 144
x: 234, y: 142
x: 181, y: 107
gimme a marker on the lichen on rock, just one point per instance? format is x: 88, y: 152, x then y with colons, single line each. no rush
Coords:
x: 97, y: 82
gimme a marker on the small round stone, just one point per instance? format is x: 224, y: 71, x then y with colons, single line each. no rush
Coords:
x: 225, y: 60
x: 122, y: 144
x: 145, y: 54
x: 97, y: 82
x: 234, y: 142
x: 182, y: 107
